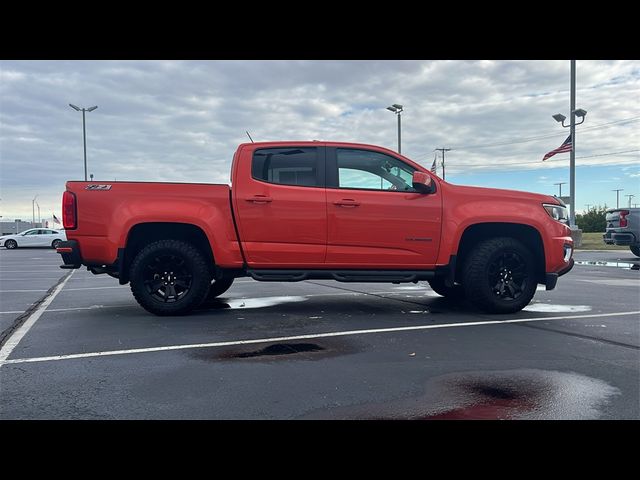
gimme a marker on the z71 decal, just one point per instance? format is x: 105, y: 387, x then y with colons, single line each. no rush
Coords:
x: 98, y: 187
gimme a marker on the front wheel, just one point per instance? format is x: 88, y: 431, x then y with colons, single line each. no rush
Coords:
x: 10, y: 244
x: 635, y: 250
x: 56, y: 243
x: 499, y: 275
x: 169, y: 277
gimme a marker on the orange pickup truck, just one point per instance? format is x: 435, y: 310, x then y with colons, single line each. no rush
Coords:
x: 317, y: 210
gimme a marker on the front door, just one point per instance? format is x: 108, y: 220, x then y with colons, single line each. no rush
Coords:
x: 375, y: 217
x: 280, y: 202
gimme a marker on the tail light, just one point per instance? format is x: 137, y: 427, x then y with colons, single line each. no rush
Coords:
x: 623, y: 217
x: 69, y: 215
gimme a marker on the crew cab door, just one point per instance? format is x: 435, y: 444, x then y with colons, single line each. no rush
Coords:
x: 375, y: 217
x: 280, y: 204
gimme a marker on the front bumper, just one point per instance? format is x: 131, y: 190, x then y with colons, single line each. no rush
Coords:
x: 70, y: 252
x: 552, y: 278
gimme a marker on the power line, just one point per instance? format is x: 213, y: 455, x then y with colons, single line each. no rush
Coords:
x: 557, y: 159
x: 540, y: 137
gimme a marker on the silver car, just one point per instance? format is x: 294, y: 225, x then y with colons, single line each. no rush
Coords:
x: 34, y: 237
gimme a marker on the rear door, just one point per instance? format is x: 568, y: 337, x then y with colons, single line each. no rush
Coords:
x: 280, y: 204
x: 375, y: 217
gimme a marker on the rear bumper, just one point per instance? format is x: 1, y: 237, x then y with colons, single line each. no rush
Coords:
x: 70, y: 252
x: 619, y: 238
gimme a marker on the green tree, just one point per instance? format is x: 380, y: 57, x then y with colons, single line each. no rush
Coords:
x: 593, y: 220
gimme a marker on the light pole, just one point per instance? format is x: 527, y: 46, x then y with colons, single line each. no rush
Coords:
x: 560, y: 185
x: 39, y: 220
x: 397, y: 109
x: 618, y: 190
x: 84, y: 132
x: 33, y: 210
x: 630, y: 196
x: 573, y: 113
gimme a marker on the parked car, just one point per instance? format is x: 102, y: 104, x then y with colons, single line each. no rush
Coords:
x: 623, y: 228
x: 34, y: 237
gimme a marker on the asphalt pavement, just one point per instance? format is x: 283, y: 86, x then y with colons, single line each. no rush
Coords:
x: 319, y: 350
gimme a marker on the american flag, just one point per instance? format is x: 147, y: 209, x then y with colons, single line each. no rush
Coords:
x: 566, y: 146
x: 433, y: 166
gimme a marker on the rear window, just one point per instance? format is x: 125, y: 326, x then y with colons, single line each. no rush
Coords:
x: 286, y: 166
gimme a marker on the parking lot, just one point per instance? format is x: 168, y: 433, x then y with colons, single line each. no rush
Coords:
x: 317, y: 349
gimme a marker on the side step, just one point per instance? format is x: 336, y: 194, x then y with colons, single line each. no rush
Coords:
x: 381, y: 276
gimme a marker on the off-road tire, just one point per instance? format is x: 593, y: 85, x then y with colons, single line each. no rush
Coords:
x: 186, y: 267
x: 635, y: 250
x: 499, y: 275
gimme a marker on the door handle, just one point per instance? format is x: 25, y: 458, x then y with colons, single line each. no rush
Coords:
x: 346, y: 202
x: 260, y: 199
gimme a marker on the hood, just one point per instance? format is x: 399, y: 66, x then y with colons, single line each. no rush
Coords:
x: 499, y: 193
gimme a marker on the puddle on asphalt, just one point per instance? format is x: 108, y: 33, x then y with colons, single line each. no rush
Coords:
x: 625, y: 265
x: 553, y: 308
x: 263, y: 301
x: 244, y: 303
x: 279, y: 351
x: 526, y: 394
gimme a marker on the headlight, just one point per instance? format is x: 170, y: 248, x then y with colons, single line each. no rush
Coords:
x: 557, y: 212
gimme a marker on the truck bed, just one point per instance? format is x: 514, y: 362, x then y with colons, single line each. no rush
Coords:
x: 103, y: 205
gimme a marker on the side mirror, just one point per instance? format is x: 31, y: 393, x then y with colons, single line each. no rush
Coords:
x: 422, y: 182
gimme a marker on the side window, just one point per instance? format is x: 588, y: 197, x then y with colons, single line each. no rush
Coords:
x: 286, y: 166
x: 373, y: 171
x: 32, y: 232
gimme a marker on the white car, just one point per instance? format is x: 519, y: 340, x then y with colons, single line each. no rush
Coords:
x: 34, y: 237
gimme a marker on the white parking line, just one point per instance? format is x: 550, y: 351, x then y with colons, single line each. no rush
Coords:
x: 53, y: 358
x: 18, y: 291
x: 15, y: 338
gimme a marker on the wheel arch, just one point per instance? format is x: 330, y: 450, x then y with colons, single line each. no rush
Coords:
x: 528, y: 235
x: 143, y: 234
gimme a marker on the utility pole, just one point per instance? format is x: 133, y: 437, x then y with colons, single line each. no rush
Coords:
x: 560, y: 185
x: 630, y: 197
x: 443, y: 150
x: 618, y: 190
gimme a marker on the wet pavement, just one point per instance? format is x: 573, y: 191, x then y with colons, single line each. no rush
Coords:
x: 328, y: 350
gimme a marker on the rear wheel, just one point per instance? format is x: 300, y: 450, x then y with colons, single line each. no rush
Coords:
x: 56, y: 243
x: 455, y: 293
x: 499, y: 275
x: 10, y: 244
x: 635, y: 250
x: 169, y: 277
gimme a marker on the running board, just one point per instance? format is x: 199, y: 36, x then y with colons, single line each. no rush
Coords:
x: 382, y: 276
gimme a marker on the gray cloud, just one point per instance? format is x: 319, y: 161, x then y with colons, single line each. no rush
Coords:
x: 182, y: 120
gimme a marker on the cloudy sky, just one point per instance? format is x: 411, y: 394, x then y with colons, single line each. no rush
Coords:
x: 182, y: 120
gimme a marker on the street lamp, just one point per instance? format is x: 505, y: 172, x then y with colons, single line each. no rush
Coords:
x: 558, y: 117
x: 84, y: 132
x: 397, y: 109
x: 33, y: 210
